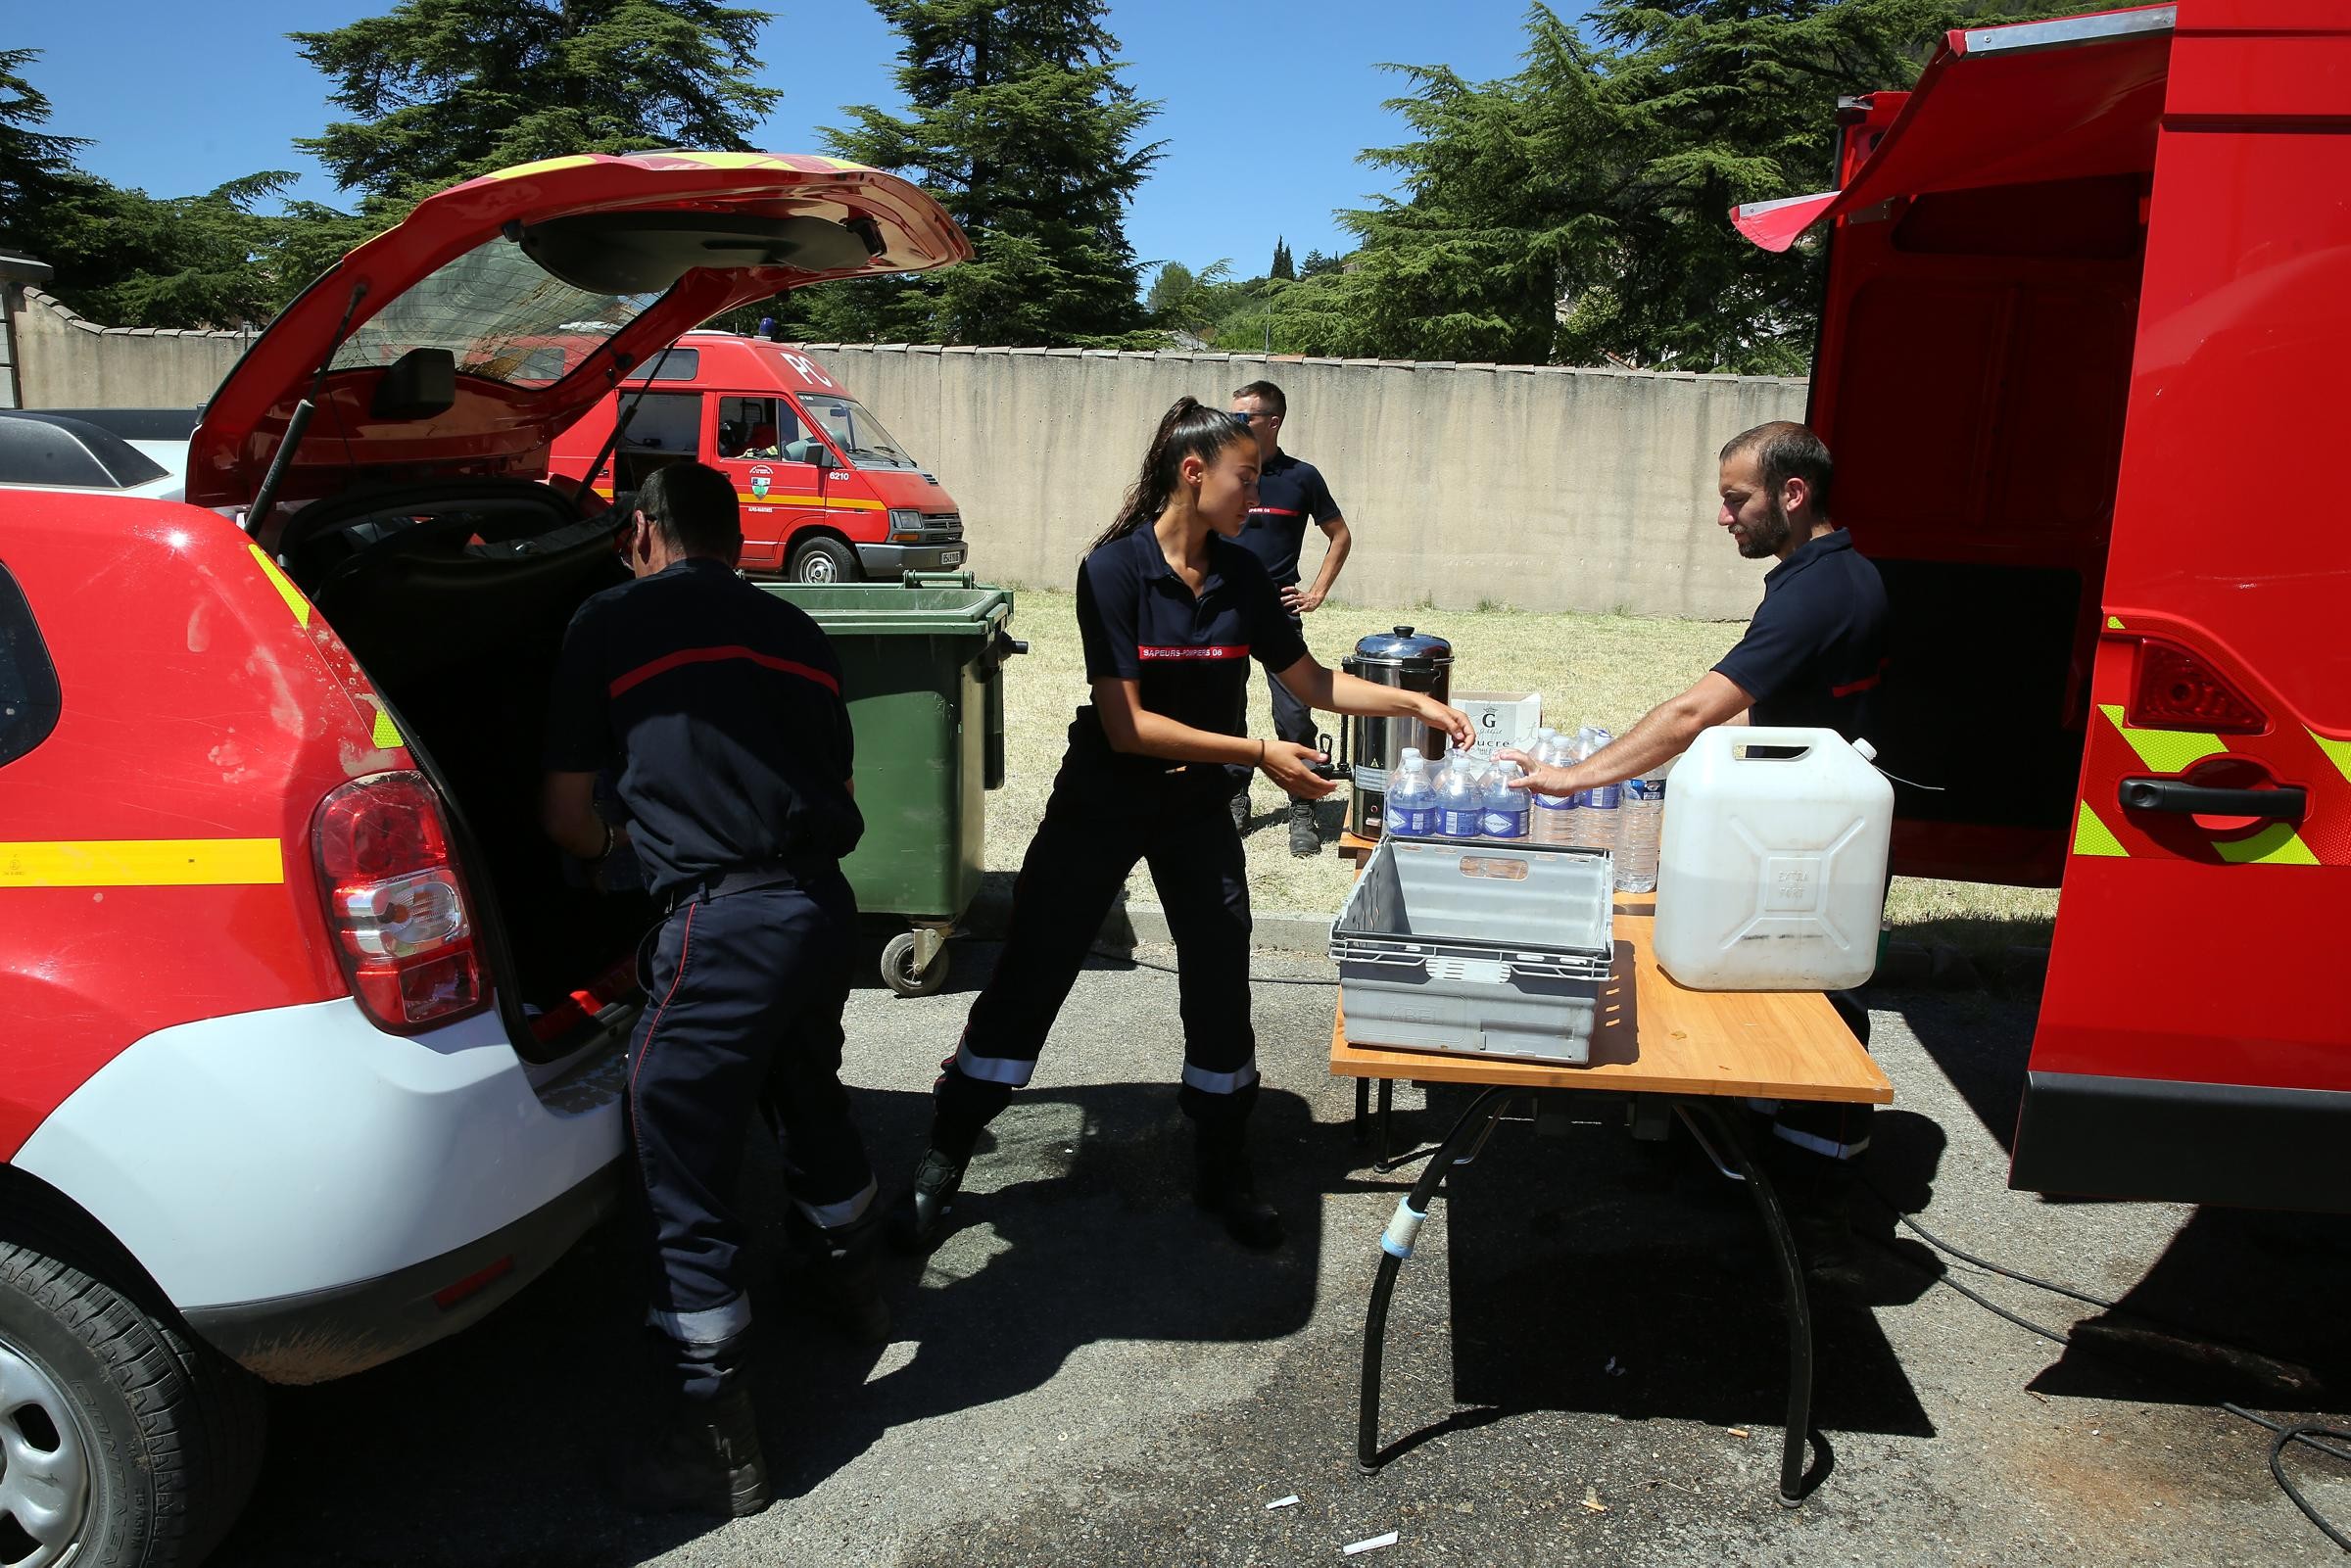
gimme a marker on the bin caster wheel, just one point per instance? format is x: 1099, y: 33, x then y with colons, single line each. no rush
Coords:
x: 899, y: 971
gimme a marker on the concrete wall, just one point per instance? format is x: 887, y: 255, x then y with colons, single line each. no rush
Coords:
x: 1540, y: 488
x: 66, y: 362
x: 1544, y: 489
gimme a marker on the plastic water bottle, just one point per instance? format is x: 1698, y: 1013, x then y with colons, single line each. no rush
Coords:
x: 1413, y: 801
x: 1640, y: 821
x: 1554, y: 814
x: 1596, y: 809
x: 1460, y: 802
x: 1505, y: 813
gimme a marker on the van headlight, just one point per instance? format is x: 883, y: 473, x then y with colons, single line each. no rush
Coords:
x: 906, y: 525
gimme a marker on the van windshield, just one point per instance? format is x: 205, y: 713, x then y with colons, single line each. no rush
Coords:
x: 857, y: 432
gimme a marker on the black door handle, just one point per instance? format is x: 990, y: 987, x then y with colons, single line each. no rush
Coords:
x: 2288, y: 802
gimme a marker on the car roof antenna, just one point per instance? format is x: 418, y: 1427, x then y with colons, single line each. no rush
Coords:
x: 300, y: 421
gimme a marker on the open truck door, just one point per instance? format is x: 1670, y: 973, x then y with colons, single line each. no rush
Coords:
x: 2089, y: 289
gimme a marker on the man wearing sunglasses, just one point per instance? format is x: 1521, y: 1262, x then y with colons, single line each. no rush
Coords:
x: 1290, y: 492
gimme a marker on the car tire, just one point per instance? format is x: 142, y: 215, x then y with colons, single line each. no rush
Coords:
x: 823, y: 559
x: 152, y: 1439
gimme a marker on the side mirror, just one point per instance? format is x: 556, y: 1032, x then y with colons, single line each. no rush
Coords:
x: 823, y: 458
x: 809, y: 450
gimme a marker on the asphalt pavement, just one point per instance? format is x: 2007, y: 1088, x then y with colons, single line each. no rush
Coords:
x: 1585, y: 1363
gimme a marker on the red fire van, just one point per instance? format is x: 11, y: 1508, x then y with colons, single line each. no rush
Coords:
x: 829, y: 496
x: 2088, y: 297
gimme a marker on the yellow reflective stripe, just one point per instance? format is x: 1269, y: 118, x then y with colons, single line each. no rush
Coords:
x: 2093, y: 838
x: 2278, y: 844
x: 285, y: 587
x: 143, y: 862
x: 776, y: 498
x: 2337, y: 752
x: 387, y: 733
x: 545, y: 165
x: 2163, y: 751
x: 2114, y: 623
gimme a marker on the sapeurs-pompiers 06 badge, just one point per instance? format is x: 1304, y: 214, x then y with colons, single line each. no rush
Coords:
x: 761, y: 478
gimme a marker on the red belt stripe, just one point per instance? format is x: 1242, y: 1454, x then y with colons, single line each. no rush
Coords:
x: 1217, y: 651
x: 719, y: 655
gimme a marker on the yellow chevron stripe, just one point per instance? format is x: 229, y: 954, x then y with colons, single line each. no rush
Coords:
x: 2337, y: 752
x: 142, y: 863
x: 2114, y: 623
x: 2093, y: 838
x: 2163, y: 751
x: 2278, y: 844
x: 545, y: 165
x: 387, y: 733
x: 285, y: 587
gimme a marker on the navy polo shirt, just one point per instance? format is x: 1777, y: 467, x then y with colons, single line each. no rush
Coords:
x: 721, y: 705
x: 1815, y: 650
x: 1187, y: 654
x: 1290, y: 493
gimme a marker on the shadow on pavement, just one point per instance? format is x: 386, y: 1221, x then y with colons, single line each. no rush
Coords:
x: 1591, y: 1273
x: 494, y: 1447
x: 1980, y: 1041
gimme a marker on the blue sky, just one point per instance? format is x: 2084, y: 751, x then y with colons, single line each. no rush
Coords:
x: 1264, y: 106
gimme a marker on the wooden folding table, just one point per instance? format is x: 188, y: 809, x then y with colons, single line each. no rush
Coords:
x: 1674, y: 1052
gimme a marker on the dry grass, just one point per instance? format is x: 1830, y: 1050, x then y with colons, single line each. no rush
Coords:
x: 1591, y: 669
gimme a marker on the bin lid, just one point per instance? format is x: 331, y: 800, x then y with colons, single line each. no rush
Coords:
x: 888, y: 610
x: 1402, y: 644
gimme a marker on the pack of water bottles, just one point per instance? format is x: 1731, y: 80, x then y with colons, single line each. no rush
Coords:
x: 1463, y: 798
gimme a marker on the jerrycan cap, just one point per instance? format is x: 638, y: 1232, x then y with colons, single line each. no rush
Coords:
x: 1869, y: 753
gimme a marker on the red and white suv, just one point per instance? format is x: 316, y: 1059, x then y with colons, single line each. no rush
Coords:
x: 311, y: 1041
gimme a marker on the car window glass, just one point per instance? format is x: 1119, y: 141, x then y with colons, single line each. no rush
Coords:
x: 30, y: 700
x: 756, y: 427
x: 665, y: 421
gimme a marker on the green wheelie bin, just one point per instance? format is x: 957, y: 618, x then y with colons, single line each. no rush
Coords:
x: 922, y: 668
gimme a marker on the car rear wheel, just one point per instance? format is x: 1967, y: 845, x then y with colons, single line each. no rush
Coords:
x: 123, y: 1442
x: 824, y: 560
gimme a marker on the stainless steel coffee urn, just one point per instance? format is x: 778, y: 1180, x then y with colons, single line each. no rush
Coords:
x: 1416, y: 662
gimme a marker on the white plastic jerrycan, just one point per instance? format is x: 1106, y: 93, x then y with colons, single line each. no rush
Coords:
x: 1771, y: 875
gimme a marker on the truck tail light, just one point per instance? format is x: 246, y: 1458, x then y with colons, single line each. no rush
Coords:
x: 397, y: 903
x: 2176, y: 689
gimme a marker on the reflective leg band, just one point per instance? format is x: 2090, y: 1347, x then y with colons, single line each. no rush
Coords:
x: 993, y: 1069
x: 1816, y: 1143
x: 1208, y: 1082
x: 850, y: 1210
x: 1404, y: 1229
x: 712, y: 1326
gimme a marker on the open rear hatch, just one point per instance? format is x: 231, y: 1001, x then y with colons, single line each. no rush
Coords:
x: 422, y: 379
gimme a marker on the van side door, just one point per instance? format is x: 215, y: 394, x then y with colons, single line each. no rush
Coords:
x: 752, y: 433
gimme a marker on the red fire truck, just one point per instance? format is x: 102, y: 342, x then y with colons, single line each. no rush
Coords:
x: 2088, y: 297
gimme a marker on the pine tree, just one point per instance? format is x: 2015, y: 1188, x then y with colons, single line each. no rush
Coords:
x: 441, y: 90
x: 1284, y: 267
x: 36, y: 167
x: 1023, y: 128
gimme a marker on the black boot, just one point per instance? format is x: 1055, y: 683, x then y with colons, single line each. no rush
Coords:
x: 841, y: 1279
x: 920, y: 1219
x: 1228, y: 1188
x: 702, y: 1458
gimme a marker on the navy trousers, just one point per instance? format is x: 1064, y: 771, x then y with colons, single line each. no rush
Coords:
x: 747, y: 996
x: 1088, y: 844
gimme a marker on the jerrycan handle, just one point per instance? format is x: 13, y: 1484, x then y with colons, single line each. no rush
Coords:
x: 1738, y: 740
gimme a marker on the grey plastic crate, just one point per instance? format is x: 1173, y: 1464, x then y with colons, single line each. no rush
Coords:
x: 1477, y: 948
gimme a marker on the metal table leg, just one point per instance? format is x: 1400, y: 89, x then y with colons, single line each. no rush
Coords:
x: 1363, y: 1109
x: 1726, y: 1148
x: 1396, y: 1245
x: 1387, y: 1120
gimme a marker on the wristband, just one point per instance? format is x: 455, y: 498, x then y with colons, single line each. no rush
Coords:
x: 610, y: 838
x: 1261, y: 754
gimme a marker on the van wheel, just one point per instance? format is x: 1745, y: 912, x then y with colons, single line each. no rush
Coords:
x: 824, y: 560
x: 123, y: 1442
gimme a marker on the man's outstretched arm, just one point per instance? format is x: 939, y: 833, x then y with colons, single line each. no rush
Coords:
x: 1663, y: 733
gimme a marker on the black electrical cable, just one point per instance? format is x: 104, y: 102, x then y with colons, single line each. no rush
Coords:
x: 2306, y: 1432
x: 1254, y: 979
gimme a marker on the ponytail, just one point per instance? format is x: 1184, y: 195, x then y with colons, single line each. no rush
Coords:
x: 1189, y: 429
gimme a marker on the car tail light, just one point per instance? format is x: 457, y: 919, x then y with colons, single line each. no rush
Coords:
x: 2177, y: 690
x: 397, y: 903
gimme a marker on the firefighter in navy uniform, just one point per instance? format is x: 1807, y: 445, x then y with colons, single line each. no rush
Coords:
x: 1169, y: 609
x: 1813, y: 658
x: 720, y: 706
x: 1290, y: 493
